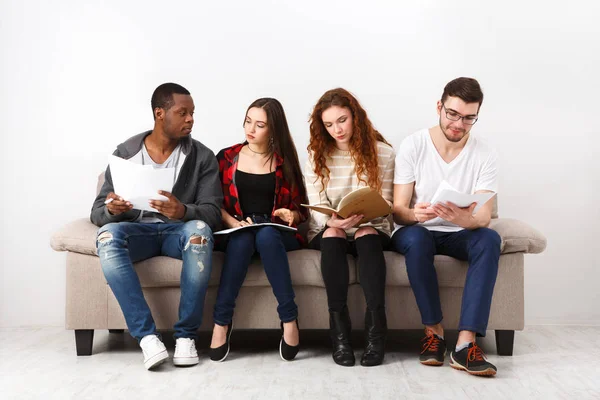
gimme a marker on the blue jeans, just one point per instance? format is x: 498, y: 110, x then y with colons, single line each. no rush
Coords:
x: 272, y: 246
x: 480, y: 247
x: 124, y: 243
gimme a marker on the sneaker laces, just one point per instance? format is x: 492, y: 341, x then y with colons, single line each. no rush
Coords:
x: 151, y: 341
x: 475, y: 354
x: 191, y: 345
x: 151, y: 344
x: 431, y: 342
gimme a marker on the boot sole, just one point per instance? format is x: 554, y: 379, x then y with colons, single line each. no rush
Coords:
x: 485, y: 372
x: 349, y: 363
x: 370, y: 365
x: 345, y: 365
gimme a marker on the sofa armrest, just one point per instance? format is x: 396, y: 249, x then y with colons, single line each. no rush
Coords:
x: 78, y: 236
x: 517, y: 236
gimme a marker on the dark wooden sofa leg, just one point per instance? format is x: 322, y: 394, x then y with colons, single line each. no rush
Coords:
x: 84, y: 339
x: 116, y: 330
x: 505, y: 341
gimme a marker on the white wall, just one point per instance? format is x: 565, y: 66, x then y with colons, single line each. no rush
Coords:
x: 76, y: 80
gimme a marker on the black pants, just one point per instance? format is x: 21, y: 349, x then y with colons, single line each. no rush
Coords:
x: 334, y: 267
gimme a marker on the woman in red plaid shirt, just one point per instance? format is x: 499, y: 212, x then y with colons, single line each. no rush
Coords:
x: 262, y: 182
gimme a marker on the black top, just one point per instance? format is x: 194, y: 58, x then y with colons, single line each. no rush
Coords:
x: 256, y: 192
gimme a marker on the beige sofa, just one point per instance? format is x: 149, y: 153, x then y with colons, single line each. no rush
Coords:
x: 91, y: 305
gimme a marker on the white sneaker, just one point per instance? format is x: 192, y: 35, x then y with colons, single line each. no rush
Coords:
x: 185, y: 352
x: 154, y: 351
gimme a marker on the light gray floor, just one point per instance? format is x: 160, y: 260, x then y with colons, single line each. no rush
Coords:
x: 555, y: 362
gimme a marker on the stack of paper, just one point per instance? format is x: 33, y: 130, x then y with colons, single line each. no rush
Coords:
x: 138, y: 183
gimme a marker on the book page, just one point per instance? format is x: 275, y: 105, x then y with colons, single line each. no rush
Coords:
x: 353, y: 196
x: 319, y: 208
x: 462, y: 199
x: 366, y: 201
x: 443, y: 186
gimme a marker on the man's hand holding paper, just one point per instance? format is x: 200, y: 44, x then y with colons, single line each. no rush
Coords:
x: 423, y: 212
x: 140, y: 184
x: 116, y: 205
x: 172, y: 208
x: 450, y: 212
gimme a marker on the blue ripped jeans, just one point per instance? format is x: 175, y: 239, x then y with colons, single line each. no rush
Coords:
x: 124, y: 243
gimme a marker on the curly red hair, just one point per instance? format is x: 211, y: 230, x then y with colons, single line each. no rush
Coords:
x: 363, y: 144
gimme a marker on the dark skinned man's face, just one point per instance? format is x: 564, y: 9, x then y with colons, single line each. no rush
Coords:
x: 179, y: 119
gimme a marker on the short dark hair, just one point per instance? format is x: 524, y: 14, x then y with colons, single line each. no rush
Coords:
x: 163, y: 96
x: 466, y: 89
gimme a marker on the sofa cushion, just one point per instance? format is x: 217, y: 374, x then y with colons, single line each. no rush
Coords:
x: 450, y: 271
x: 495, y: 207
x: 304, y: 267
x: 79, y: 236
x: 517, y: 236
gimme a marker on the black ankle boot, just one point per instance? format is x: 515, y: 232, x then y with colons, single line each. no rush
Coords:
x: 375, y: 332
x: 340, y: 331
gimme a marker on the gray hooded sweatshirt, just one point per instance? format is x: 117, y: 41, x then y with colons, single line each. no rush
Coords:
x: 198, y: 185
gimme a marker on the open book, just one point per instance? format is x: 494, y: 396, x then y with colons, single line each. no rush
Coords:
x: 365, y: 200
x: 446, y: 193
x: 255, y: 226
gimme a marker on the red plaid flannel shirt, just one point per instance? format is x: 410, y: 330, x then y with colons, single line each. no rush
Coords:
x: 285, y: 196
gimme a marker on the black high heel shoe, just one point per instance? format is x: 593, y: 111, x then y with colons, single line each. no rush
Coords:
x: 287, y: 352
x: 220, y: 353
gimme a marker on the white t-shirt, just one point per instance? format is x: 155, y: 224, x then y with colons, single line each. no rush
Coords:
x: 175, y: 160
x: 417, y: 160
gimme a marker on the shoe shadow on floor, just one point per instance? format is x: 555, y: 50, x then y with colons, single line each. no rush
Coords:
x: 312, y: 342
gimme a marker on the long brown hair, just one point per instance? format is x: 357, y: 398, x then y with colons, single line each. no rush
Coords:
x: 281, y: 142
x: 363, y: 144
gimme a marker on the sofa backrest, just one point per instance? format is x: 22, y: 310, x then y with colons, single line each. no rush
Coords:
x: 100, y: 183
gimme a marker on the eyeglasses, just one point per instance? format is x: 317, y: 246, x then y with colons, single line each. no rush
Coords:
x: 454, y: 116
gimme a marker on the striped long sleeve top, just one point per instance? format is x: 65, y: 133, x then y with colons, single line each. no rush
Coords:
x: 342, y: 180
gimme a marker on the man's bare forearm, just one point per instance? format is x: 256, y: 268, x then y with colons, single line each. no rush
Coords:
x: 404, y: 216
x: 478, y: 221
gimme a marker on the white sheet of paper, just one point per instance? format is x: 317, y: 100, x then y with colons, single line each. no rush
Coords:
x: 254, y: 226
x: 139, y: 184
x: 446, y: 193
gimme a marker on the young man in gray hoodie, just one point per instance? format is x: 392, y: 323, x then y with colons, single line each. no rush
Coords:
x: 181, y: 227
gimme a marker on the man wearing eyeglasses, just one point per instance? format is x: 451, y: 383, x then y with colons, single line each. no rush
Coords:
x: 449, y: 152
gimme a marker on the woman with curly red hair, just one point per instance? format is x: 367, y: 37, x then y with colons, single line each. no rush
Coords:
x: 262, y: 182
x: 345, y: 153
